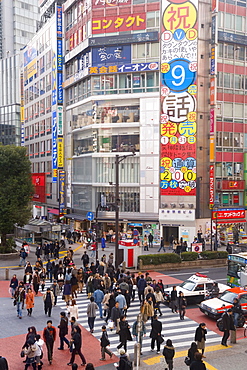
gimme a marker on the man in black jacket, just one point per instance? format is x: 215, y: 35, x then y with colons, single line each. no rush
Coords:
x: 3, y: 363
x: 228, y: 325
x: 155, y: 334
x: 63, y: 330
x: 104, y: 343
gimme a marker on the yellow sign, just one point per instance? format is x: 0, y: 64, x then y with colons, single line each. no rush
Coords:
x: 180, y: 16
x: 211, y: 149
x: 60, y: 152
x: 31, y: 68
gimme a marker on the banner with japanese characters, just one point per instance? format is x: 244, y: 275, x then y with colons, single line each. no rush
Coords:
x: 120, y: 23
x: 178, y: 89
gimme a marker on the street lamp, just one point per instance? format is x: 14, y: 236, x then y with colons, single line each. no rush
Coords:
x: 118, y: 159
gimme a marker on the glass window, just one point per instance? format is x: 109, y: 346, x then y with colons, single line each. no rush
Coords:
x: 239, y: 23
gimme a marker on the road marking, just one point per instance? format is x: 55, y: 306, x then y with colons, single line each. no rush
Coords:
x: 209, y: 367
x: 156, y: 359
x: 185, y: 273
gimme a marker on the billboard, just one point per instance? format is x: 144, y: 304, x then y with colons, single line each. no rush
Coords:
x: 62, y: 210
x: 54, y: 146
x: 178, y: 89
x: 111, y: 55
x: 39, y: 182
x: 125, y: 68
x: 30, y: 62
x: 211, y: 186
x: 126, y: 22
x: 60, y: 152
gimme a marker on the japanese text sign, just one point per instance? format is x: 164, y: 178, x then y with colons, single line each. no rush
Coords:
x: 119, y: 23
x: 54, y: 146
x: 211, y: 184
x: 137, y: 67
x: 111, y: 54
x: 178, y: 91
x: 62, y: 192
x: 229, y: 214
x: 109, y: 3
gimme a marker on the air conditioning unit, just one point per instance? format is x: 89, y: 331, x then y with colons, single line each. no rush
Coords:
x: 238, y: 178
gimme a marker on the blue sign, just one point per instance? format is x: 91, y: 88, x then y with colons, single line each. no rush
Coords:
x: 179, y: 77
x: 90, y: 216
x: 59, y: 22
x: 212, y: 68
x: 60, y: 88
x: 124, y: 39
x: 104, y: 55
x: 60, y: 55
x: 54, y: 146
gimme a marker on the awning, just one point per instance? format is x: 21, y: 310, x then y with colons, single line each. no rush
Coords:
x: 54, y: 211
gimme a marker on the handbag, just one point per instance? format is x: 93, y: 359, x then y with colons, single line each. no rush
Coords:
x: 22, y: 354
x: 160, y: 339
x: 187, y: 361
x: 63, y: 297
x: 14, y: 302
x: 110, y: 324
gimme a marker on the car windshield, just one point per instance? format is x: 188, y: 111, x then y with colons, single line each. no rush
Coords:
x: 188, y: 285
x: 228, y: 296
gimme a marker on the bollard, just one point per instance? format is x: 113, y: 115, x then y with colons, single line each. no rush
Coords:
x: 233, y: 336
x: 137, y: 354
x: 6, y: 274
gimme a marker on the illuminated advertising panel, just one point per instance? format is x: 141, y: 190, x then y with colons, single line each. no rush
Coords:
x: 62, y: 210
x: 121, y: 23
x: 39, y: 182
x: 178, y: 89
x: 211, y: 186
x: 60, y: 152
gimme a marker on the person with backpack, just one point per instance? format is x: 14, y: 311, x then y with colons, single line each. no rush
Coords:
x: 104, y: 343
x: 124, y: 362
x: 168, y: 353
x: 228, y: 324
x: 49, y: 336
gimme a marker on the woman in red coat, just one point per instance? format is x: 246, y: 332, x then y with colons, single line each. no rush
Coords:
x: 29, y: 301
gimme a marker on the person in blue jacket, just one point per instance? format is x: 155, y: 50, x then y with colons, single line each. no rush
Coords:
x: 98, y: 298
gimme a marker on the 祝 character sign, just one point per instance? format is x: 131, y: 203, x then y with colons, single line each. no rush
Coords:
x: 178, y: 97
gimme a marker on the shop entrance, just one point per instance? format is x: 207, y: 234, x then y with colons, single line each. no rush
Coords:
x: 168, y: 231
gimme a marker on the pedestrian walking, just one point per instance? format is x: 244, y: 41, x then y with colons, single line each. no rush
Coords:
x: 98, y: 297
x: 48, y: 299
x: 93, y: 249
x: 182, y: 303
x: 76, y: 346
x: 197, y: 364
x: 191, y: 353
x: 29, y: 302
x: 91, y: 313
x: 124, y: 363
x: 142, y: 332
x: 120, y: 298
x: 19, y: 299
x: 39, y: 352
x: 36, y: 282
x: 158, y: 300
x: 162, y: 245
x: 155, y: 334
x: 23, y: 256
x: 115, y: 314
x: 13, y: 286
x: 145, y: 243
x: 42, y: 279
x: 73, y: 309
x: 236, y: 310
x: 85, y: 259
x: 124, y: 333
x: 63, y: 330
x: 141, y: 285
x: 67, y: 292
x: 200, y: 337
x: 150, y: 240
x: 104, y: 343
x: 103, y: 244
x: 30, y: 351
x: 55, y: 290
x: 228, y: 324
x: 171, y: 240
x: 110, y: 259
x: 89, y: 366
x: 174, y: 299
x: 168, y: 353
x: 49, y: 336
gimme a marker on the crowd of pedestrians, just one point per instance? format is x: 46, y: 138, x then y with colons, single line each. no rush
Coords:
x: 110, y: 292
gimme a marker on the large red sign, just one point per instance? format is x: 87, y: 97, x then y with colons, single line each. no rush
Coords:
x: 39, y: 182
x: 229, y: 214
x: 109, y: 3
x: 119, y: 23
x: 232, y: 185
x: 211, y: 184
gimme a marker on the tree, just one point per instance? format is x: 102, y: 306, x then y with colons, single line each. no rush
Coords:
x: 16, y: 189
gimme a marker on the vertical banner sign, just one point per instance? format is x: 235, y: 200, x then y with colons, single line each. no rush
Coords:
x: 22, y: 109
x: 62, y: 193
x: 178, y: 97
x: 211, y: 186
x: 245, y: 178
x: 54, y: 146
x: 60, y: 152
x: 59, y: 55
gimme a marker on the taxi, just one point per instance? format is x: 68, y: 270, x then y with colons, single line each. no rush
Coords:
x: 195, y: 288
x: 215, y: 307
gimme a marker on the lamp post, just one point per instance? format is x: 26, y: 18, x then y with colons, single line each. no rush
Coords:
x: 118, y: 159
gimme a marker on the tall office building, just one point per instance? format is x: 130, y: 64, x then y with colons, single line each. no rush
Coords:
x: 18, y: 22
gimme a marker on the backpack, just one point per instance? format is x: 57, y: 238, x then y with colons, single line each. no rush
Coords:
x: 128, y: 364
x: 219, y: 324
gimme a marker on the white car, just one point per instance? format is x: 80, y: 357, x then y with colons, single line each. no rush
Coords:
x: 195, y: 288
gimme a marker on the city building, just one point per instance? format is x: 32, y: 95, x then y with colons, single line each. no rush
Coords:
x: 18, y: 22
x: 42, y: 106
x: 112, y: 108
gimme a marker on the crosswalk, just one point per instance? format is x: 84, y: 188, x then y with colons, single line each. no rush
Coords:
x: 181, y: 332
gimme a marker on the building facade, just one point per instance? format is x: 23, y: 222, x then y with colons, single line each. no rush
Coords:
x: 42, y: 106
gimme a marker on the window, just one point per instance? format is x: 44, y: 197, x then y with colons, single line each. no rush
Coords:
x: 147, y: 51
x: 153, y: 20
